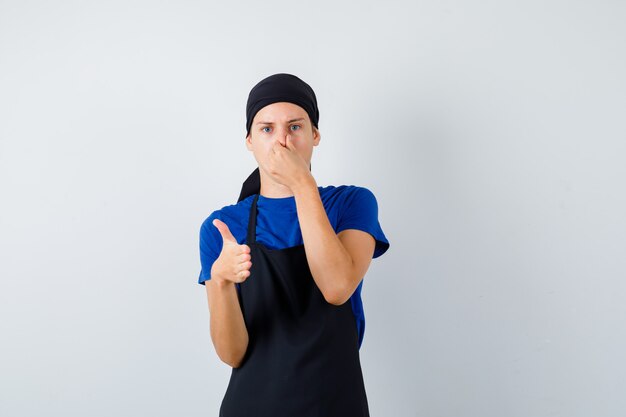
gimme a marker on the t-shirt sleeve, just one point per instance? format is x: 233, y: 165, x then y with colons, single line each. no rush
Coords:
x: 210, y: 247
x: 360, y: 211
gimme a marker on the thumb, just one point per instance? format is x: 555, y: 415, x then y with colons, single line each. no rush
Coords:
x: 224, y: 231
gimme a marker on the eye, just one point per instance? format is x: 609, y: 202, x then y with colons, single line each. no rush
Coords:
x: 298, y: 126
x: 263, y: 129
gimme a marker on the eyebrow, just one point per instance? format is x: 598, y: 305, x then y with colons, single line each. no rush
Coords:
x: 288, y: 121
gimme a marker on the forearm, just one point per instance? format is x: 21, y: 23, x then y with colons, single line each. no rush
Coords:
x: 228, y: 329
x: 330, y: 263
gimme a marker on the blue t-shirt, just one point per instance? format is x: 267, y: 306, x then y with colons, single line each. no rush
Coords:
x: 347, y: 207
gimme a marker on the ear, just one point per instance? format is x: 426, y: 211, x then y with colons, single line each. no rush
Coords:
x: 316, y: 136
x: 249, y: 142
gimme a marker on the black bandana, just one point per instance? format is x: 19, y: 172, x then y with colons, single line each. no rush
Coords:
x: 281, y: 87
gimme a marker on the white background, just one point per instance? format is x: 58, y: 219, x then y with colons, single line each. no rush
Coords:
x: 491, y: 132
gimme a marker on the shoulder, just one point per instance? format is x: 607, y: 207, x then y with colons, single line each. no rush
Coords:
x: 232, y: 211
x: 345, y: 191
x: 234, y: 215
x: 347, y: 195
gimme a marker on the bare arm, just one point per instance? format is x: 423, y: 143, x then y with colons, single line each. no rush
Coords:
x: 338, y: 262
x: 228, y: 329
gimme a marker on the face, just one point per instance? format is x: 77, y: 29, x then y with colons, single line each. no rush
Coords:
x: 276, y: 121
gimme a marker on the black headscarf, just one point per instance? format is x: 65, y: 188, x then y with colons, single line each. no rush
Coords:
x: 273, y: 89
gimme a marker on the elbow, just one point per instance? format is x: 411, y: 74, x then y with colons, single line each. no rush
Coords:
x: 341, y: 292
x: 232, y: 359
x: 337, y: 296
x: 234, y: 364
x: 336, y: 301
x: 232, y: 355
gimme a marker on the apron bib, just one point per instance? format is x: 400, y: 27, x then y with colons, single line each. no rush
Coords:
x: 303, y: 357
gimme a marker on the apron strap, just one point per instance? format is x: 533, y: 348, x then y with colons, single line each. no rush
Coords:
x: 251, y: 237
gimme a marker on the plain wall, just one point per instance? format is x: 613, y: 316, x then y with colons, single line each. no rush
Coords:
x: 491, y: 132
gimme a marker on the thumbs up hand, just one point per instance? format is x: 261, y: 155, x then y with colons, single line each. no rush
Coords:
x: 233, y: 264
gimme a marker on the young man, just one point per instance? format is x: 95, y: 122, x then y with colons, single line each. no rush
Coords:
x: 281, y: 265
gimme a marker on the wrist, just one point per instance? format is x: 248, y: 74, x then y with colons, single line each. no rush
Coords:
x: 307, y: 183
x: 221, y: 283
x: 216, y: 277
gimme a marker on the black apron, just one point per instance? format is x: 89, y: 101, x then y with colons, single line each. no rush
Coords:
x: 303, y: 356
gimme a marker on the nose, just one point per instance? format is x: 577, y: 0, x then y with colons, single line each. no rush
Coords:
x: 281, y: 136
